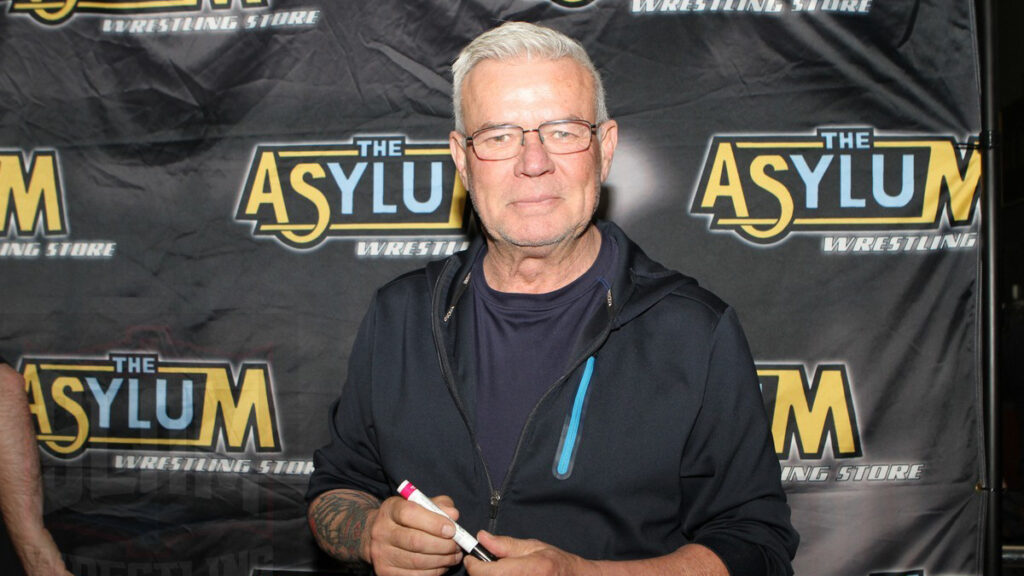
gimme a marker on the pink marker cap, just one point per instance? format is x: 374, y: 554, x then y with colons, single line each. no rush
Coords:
x: 406, y: 489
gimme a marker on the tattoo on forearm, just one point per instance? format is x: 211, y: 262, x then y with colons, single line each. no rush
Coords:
x: 338, y: 520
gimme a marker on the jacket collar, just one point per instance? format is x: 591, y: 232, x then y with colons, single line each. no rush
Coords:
x: 638, y: 282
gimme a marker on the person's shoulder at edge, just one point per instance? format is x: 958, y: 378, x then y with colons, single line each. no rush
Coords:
x: 646, y: 271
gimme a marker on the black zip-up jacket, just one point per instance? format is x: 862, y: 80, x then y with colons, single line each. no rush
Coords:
x: 656, y: 437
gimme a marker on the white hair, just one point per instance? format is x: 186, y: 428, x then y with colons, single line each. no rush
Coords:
x: 521, y: 39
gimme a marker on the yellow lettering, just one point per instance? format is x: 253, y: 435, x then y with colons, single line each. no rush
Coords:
x: 809, y: 419
x: 315, y: 196
x: 266, y: 189
x: 945, y: 168
x: 60, y: 387
x: 39, y: 196
x: 775, y: 188
x: 252, y: 404
x: 724, y: 181
x: 36, y: 400
x: 51, y: 11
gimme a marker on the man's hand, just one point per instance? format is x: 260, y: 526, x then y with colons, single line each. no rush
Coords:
x: 536, y: 558
x: 526, y: 557
x: 403, y: 538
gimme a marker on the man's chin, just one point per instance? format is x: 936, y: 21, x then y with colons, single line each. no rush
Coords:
x: 540, y: 239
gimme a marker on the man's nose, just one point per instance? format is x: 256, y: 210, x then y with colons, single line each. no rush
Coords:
x: 534, y: 159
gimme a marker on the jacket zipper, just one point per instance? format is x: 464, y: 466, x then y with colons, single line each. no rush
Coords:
x: 588, y: 353
x: 495, y: 501
x: 446, y: 372
x: 496, y: 495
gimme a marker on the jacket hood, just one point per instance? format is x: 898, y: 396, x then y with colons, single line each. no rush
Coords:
x: 638, y: 283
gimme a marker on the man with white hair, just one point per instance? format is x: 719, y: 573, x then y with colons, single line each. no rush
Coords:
x: 577, y: 406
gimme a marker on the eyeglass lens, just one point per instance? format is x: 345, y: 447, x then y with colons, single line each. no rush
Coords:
x: 558, y: 137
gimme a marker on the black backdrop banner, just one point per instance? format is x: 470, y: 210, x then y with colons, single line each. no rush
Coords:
x: 197, y: 199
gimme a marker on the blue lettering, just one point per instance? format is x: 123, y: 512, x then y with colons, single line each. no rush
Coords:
x: 409, y: 188
x: 380, y: 148
x: 104, y: 399
x: 346, y: 184
x: 182, y: 421
x: 878, y: 182
x: 379, y: 207
x: 133, y: 406
x: 812, y: 178
x: 846, y: 199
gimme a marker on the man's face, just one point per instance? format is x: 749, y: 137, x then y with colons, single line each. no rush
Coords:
x: 534, y: 199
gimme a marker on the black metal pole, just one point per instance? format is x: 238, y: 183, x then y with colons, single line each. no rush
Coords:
x: 990, y: 287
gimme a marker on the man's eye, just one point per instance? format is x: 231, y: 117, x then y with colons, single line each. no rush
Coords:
x: 562, y: 135
x: 498, y: 139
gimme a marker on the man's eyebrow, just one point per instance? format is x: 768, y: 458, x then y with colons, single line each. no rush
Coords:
x: 487, y: 125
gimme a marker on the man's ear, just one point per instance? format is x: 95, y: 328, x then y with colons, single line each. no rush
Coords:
x: 459, y: 153
x: 608, y: 139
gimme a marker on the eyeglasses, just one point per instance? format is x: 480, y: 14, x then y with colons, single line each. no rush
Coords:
x: 557, y: 137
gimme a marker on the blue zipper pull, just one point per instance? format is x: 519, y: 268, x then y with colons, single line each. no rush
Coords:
x: 565, y: 455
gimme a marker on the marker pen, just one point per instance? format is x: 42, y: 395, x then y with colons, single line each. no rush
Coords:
x: 464, y: 539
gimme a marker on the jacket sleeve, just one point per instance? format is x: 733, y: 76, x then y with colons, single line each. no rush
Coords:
x: 731, y: 480
x: 351, y: 459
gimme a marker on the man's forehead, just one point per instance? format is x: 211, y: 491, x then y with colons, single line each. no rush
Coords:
x: 491, y: 79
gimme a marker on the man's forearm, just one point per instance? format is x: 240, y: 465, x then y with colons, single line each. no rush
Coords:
x: 338, y: 520
x: 21, y: 490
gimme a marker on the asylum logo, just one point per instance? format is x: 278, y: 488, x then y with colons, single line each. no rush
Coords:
x: 764, y: 188
x: 300, y: 195
x: 137, y: 401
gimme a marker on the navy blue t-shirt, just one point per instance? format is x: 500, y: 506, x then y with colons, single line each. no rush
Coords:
x: 523, y: 343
